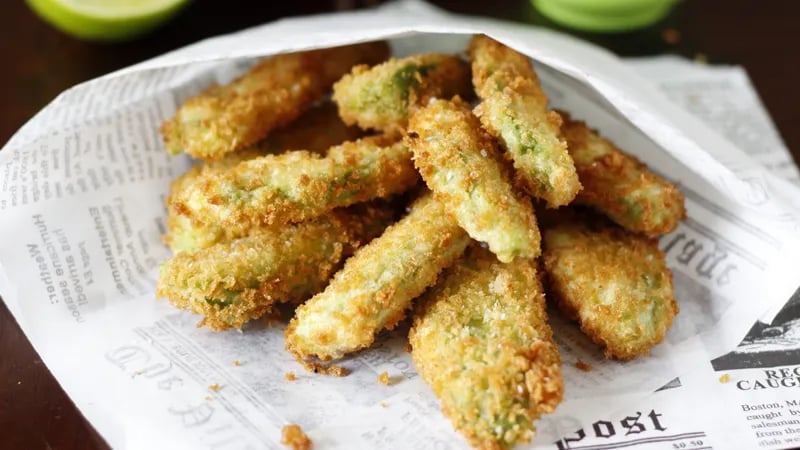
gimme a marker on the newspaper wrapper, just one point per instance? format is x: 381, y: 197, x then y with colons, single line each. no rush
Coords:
x: 81, y: 193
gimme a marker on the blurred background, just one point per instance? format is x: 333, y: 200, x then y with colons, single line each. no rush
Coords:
x: 40, y: 62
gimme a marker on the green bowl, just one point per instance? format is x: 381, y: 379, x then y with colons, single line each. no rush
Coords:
x: 607, y: 16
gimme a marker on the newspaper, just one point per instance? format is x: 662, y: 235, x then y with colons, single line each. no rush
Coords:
x: 81, y: 193
x: 753, y: 386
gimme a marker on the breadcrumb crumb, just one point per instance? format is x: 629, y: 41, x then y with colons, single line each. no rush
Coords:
x: 236, y: 363
x: 293, y: 436
x: 290, y: 376
x: 214, y: 387
x: 584, y: 366
x: 671, y: 36
x: 724, y: 378
x: 383, y: 378
x: 384, y: 404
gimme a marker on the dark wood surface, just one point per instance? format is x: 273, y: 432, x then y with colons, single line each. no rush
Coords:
x: 40, y: 62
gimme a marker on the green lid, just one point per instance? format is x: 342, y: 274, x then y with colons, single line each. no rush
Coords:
x: 604, y: 15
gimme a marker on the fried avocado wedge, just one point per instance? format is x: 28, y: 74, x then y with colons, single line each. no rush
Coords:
x: 461, y: 166
x: 513, y: 109
x: 231, y: 283
x: 276, y: 91
x: 316, y: 130
x: 298, y: 185
x: 619, y: 185
x: 480, y: 338
x: 377, y: 284
x: 615, y: 283
x: 378, y: 98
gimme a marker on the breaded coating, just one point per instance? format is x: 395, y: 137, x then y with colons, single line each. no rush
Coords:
x: 619, y: 185
x: 293, y: 436
x: 513, y: 108
x: 273, y: 93
x: 379, y: 97
x: 482, y: 341
x: 377, y: 284
x: 233, y: 282
x: 616, y: 284
x: 183, y: 234
x: 461, y: 165
x: 298, y: 185
x: 316, y: 130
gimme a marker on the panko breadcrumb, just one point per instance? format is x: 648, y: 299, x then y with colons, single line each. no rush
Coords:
x: 231, y: 283
x: 293, y: 436
x: 584, y: 366
x: 383, y: 378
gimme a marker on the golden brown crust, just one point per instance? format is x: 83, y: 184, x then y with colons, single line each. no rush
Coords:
x: 616, y: 284
x: 379, y: 98
x: 297, y: 185
x: 513, y: 109
x: 461, y: 164
x: 233, y: 282
x: 619, y: 185
x: 377, y: 285
x: 481, y: 340
x: 276, y: 91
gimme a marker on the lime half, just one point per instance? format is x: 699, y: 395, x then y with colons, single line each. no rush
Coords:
x: 106, y: 20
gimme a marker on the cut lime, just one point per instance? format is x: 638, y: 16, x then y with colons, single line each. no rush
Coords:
x: 106, y: 20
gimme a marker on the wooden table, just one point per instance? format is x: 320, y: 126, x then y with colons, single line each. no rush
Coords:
x: 41, y: 62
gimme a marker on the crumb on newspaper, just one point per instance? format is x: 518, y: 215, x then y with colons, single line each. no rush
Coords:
x: 384, y: 378
x: 293, y: 436
x: 584, y: 366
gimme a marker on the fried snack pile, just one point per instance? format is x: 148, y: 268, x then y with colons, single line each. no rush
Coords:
x: 364, y: 190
